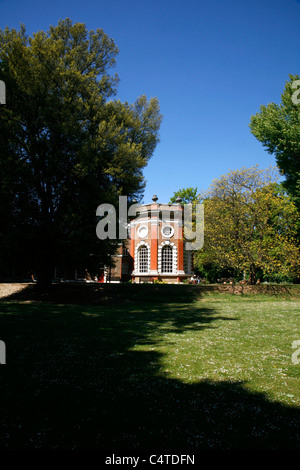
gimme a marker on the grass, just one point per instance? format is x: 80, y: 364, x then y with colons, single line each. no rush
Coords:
x: 150, y: 367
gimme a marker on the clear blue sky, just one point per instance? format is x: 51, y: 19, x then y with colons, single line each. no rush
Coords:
x: 211, y: 64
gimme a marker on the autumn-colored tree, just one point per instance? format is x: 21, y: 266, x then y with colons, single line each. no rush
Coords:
x: 250, y: 224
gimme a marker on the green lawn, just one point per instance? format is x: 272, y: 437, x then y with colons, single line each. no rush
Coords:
x: 148, y: 368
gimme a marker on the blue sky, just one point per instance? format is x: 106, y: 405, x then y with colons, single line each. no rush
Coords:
x: 211, y: 64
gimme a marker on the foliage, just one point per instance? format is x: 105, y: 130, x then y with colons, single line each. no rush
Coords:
x: 187, y: 195
x: 250, y: 225
x: 212, y: 272
x: 66, y: 144
x: 279, y: 278
x: 277, y: 127
x: 159, y: 281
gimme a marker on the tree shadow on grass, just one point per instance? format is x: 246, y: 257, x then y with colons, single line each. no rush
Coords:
x: 81, y: 293
x: 73, y: 381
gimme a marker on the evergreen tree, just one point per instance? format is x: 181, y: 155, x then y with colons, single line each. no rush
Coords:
x: 66, y: 145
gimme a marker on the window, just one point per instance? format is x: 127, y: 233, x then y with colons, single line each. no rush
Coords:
x: 167, y: 231
x: 143, y: 259
x: 167, y: 259
x: 143, y: 231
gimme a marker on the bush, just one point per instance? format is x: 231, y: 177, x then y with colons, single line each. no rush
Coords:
x: 279, y: 278
x: 158, y: 281
x: 213, y: 273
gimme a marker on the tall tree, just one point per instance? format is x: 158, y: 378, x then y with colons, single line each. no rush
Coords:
x: 66, y: 144
x: 277, y: 127
x: 250, y: 224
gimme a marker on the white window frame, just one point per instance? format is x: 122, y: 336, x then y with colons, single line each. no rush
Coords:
x: 167, y: 259
x: 174, y: 255
x: 136, y: 271
x: 171, y: 231
x: 141, y: 229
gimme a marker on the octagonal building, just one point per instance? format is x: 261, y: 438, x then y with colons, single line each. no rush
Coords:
x: 156, y: 244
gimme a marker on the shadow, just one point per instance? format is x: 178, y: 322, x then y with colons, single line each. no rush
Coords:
x: 82, y: 293
x: 73, y: 381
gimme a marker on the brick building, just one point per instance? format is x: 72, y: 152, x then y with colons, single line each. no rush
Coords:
x: 155, y: 249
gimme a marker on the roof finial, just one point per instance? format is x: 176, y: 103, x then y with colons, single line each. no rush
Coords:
x: 154, y: 199
x: 178, y: 200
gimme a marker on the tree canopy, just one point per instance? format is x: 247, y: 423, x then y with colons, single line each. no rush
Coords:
x: 187, y: 195
x: 277, y: 127
x: 67, y: 145
x: 250, y: 225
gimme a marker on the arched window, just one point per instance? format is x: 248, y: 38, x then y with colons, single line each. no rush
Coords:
x: 143, y: 259
x: 167, y: 259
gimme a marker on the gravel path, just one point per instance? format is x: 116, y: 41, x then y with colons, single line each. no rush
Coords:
x: 7, y: 289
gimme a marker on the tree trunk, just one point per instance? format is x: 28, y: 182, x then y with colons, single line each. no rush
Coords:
x: 44, y: 279
x: 252, y: 276
x: 45, y: 268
